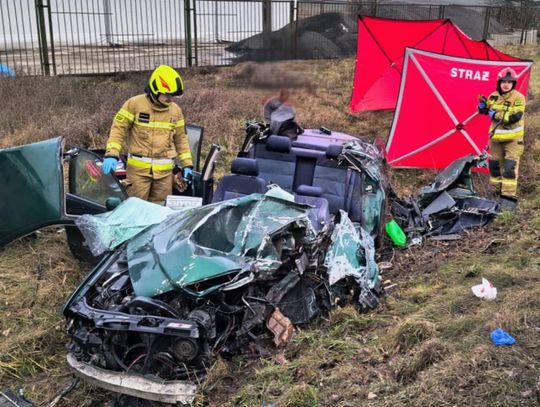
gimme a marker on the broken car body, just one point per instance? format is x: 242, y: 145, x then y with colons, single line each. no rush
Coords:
x: 447, y: 207
x: 289, y: 231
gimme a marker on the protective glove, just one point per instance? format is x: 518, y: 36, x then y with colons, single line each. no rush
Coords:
x: 187, y: 173
x: 482, y: 105
x: 109, y: 164
x: 492, y: 114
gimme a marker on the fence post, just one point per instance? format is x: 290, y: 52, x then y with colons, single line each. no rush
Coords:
x: 267, y: 26
x: 51, y: 38
x: 107, y: 20
x: 291, y: 11
x: 292, y: 30
x: 195, y: 33
x: 187, y: 30
x: 42, y: 38
x: 487, y: 17
x: 524, y: 24
x: 267, y: 16
x: 374, y: 8
x: 442, y: 10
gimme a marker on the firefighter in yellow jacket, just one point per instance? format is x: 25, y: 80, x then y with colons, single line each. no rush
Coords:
x: 505, y: 107
x: 150, y: 127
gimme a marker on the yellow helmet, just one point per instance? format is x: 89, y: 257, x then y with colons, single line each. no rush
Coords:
x: 165, y: 80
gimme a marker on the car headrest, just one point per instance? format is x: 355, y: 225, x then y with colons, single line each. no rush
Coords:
x: 245, y: 166
x: 279, y: 144
x: 307, y: 190
x: 333, y: 151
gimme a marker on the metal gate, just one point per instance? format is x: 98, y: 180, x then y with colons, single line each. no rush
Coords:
x: 104, y: 36
x: 75, y: 37
x: 218, y: 24
x: 79, y: 37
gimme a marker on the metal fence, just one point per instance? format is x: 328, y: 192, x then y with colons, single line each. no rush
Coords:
x: 63, y: 37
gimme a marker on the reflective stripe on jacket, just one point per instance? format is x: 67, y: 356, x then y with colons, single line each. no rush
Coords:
x: 149, y: 132
x: 157, y: 164
x: 505, y: 106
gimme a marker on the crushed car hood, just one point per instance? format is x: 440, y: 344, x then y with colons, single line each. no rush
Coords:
x: 32, y: 188
x: 210, y: 241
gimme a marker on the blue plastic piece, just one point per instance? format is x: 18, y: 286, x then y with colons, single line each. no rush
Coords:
x: 482, y: 105
x: 500, y: 338
x: 6, y: 70
x: 491, y: 114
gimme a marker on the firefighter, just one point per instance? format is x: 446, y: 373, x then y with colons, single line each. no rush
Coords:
x: 151, y: 127
x: 505, y: 107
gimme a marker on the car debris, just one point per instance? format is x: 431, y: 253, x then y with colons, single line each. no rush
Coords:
x: 109, y: 230
x: 446, y: 207
x: 8, y: 398
x: 211, y: 280
x: 281, y: 327
x: 286, y: 236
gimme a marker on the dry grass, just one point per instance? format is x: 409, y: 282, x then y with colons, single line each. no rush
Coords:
x: 426, y: 345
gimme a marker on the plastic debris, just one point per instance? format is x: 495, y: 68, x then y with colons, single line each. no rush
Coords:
x: 395, y: 233
x: 501, y: 338
x: 6, y: 70
x: 281, y: 327
x: 485, y: 290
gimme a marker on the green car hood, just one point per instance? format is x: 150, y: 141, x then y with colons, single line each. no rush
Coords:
x: 203, y: 243
x: 32, y: 188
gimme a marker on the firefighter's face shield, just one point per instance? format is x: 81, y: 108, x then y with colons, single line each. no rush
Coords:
x: 168, y: 99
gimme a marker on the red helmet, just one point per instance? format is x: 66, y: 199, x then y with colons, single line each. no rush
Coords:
x: 507, y: 74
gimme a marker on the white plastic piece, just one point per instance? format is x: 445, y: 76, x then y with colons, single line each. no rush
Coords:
x: 180, y: 203
x: 485, y: 290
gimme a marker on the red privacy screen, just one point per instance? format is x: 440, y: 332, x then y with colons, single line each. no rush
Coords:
x: 436, y: 119
x: 381, y: 50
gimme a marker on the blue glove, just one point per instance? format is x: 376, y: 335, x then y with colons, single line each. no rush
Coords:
x: 491, y: 114
x: 482, y: 105
x: 187, y: 173
x: 109, y: 164
x: 500, y: 337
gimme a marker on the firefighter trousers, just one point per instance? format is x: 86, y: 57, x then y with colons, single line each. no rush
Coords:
x: 148, y: 184
x: 504, y: 166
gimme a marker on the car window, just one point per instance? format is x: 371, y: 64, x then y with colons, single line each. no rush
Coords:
x: 87, y: 181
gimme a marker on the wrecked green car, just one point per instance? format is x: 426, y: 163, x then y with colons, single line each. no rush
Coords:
x: 287, y: 235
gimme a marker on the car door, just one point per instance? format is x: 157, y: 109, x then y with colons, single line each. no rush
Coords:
x: 92, y: 192
x: 33, y: 186
x: 89, y: 192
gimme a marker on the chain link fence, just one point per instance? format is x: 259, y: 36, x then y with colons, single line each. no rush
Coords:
x: 74, y: 37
